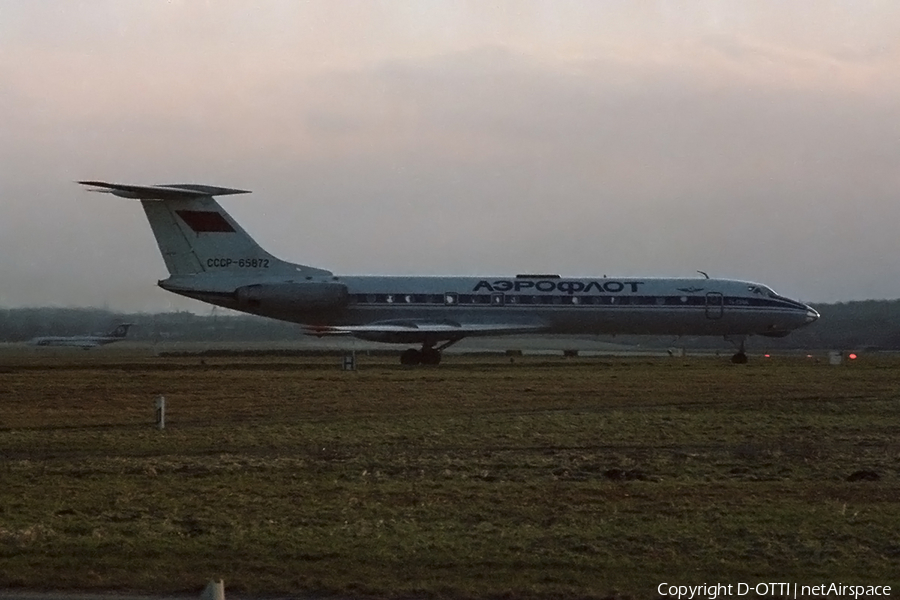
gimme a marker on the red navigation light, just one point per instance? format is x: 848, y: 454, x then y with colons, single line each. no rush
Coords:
x: 852, y: 356
x: 768, y: 356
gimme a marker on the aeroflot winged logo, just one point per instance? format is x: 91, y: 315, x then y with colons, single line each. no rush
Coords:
x: 204, y: 221
x: 567, y: 287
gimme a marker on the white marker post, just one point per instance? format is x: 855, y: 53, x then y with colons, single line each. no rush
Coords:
x: 161, y: 412
x: 215, y: 590
x: 349, y: 362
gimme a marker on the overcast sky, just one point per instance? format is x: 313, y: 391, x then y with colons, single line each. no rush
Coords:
x: 755, y: 140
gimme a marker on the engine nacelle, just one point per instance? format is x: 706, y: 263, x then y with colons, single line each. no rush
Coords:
x: 311, y: 296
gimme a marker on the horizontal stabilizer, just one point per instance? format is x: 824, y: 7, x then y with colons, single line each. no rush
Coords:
x: 169, y: 191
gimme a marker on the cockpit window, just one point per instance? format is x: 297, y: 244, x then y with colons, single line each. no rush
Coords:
x: 762, y: 290
x: 767, y: 292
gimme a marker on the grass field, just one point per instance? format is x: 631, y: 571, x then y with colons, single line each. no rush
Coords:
x: 548, y: 477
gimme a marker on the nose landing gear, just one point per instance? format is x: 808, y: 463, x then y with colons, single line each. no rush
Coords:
x: 740, y: 357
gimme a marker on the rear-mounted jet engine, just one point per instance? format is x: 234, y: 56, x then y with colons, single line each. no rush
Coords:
x: 312, y: 296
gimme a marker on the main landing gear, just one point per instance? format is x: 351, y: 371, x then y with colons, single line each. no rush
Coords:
x: 740, y: 357
x: 428, y: 355
x: 425, y: 356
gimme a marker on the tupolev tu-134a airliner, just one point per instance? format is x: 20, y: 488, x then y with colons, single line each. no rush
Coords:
x: 212, y: 259
x: 117, y: 334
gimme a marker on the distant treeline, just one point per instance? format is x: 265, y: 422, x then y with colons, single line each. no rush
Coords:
x: 866, y: 324
x: 23, y: 324
x: 870, y: 324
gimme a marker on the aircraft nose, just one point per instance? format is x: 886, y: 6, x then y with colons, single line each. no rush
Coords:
x: 812, y: 315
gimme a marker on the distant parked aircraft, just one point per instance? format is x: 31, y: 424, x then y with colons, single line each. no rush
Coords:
x: 85, y: 341
x: 212, y: 259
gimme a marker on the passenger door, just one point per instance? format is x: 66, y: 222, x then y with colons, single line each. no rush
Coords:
x: 714, y: 305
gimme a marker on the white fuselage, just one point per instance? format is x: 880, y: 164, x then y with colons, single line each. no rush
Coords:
x: 547, y: 304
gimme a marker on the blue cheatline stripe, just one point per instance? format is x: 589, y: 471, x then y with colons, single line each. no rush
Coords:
x: 527, y: 300
x: 560, y: 301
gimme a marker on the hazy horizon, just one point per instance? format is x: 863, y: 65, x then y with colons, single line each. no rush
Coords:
x: 756, y: 141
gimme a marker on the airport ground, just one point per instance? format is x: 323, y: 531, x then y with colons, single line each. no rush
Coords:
x: 489, y: 476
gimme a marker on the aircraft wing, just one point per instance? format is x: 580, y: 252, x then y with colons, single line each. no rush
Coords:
x: 416, y: 331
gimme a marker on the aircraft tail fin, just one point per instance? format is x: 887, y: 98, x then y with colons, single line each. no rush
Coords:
x: 196, y: 235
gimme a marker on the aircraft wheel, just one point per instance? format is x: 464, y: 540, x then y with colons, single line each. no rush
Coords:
x: 410, y: 357
x: 430, y: 356
x: 739, y: 358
